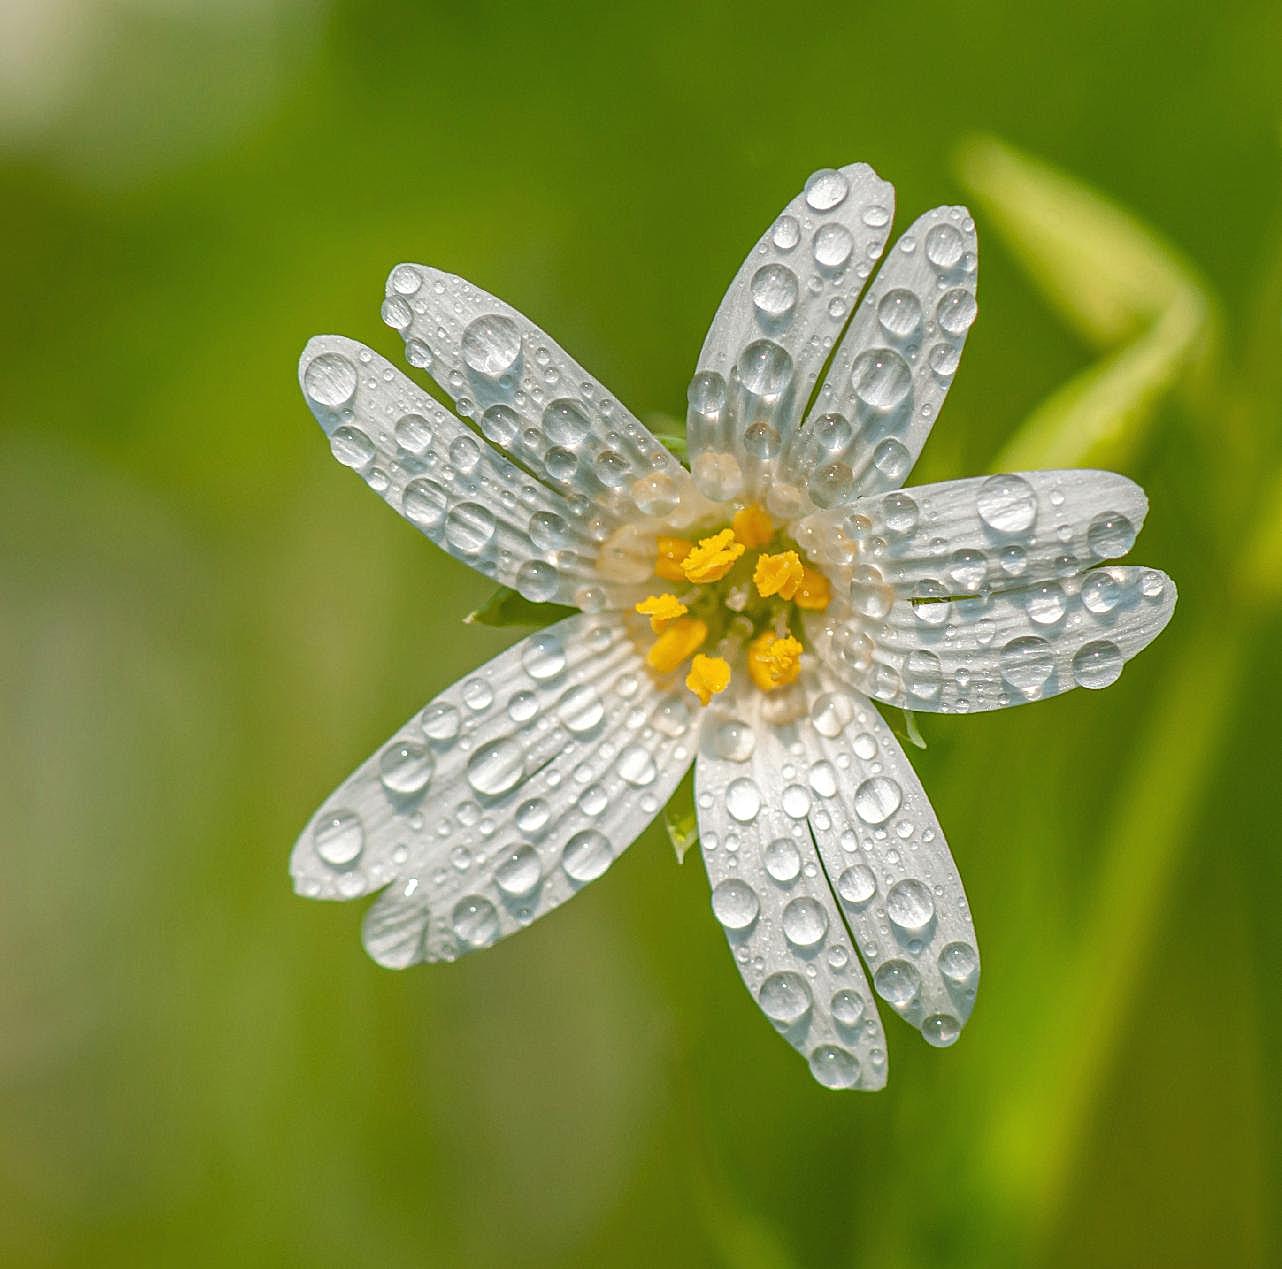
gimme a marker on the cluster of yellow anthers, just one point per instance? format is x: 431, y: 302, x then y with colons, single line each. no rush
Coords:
x: 780, y: 579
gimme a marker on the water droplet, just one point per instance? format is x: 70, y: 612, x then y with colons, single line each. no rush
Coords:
x: 1045, y: 603
x: 520, y: 873
x: 1152, y: 585
x: 544, y: 656
x: 967, y: 570
x: 897, y: 983
x: 786, y: 233
x: 1007, y: 504
x: 876, y: 216
x: 783, y: 860
x: 735, y: 904
x: 491, y: 345
x: 734, y: 740
x: 330, y: 379
x: 899, y: 312
x: 440, y: 721
x: 877, y: 799
x: 832, y: 484
x: 870, y: 595
x: 566, y: 424
x: 405, y: 767
x: 424, y: 503
x: 830, y: 713
x: 805, y: 923
x: 774, y: 290
x: 941, y: 1029
x: 923, y: 674
x: 743, y: 800
x: 857, y: 885
x: 909, y: 906
x: 496, y: 767
x: 406, y: 279
x: 847, y: 1008
x: 944, y: 246
x: 586, y: 856
x: 892, y: 460
x: 413, y: 434
x: 537, y: 581
x: 795, y: 802
x: 655, y: 495
x: 764, y: 368
x: 785, y: 998
x: 1097, y: 664
x: 636, y: 766
x: 339, y: 839
x: 1100, y: 593
x: 881, y: 379
x: 944, y: 359
x: 899, y: 513
x: 1027, y: 664
x: 832, y: 245
x: 476, y: 922
x: 834, y: 1067
x: 826, y: 189
x: 580, y: 708
x: 464, y: 453
x: 959, y: 963
x: 532, y: 816
x: 351, y: 447
x: 956, y: 311
x: 469, y: 527
x: 1110, y: 535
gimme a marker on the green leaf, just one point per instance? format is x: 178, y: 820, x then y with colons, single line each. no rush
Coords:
x: 670, y: 433
x: 680, y: 818
x: 906, y: 728
x: 1116, y: 282
x: 507, y: 607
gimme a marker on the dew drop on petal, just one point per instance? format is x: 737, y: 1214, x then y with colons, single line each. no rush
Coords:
x: 519, y: 873
x: 339, y: 839
x: 475, y: 920
x: 877, y: 799
x: 735, y: 904
x: 805, y: 923
x: 834, y: 1067
x: 1007, y: 504
x: 785, y: 998
x: 1097, y: 664
x: 586, y: 856
x: 330, y: 380
x: 491, y: 345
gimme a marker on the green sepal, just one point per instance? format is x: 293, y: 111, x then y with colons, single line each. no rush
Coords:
x: 507, y: 607
x: 680, y: 817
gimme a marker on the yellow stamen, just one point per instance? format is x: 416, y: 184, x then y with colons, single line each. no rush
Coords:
x: 774, y: 661
x: 708, y: 676
x: 778, y: 574
x: 713, y: 558
x: 813, y: 590
x: 683, y: 637
x: 662, y: 610
x: 752, y: 526
x: 671, y: 551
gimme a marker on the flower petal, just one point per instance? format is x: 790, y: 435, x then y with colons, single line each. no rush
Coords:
x: 530, y: 397
x: 992, y: 651
x: 771, y: 897
x: 890, y: 373
x: 882, y: 847
x: 775, y: 327
x: 966, y: 537
x: 507, y: 794
x: 456, y: 489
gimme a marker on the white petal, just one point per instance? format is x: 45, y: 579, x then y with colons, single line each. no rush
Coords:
x: 779, y: 319
x: 530, y: 397
x: 966, y: 537
x: 894, y: 365
x: 995, y: 650
x: 507, y: 794
x: 787, y: 936
x: 883, y: 849
x: 452, y: 486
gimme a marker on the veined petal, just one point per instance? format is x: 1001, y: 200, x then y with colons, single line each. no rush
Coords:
x: 894, y: 365
x: 506, y: 795
x: 992, y: 651
x: 779, y: 319
x: 530, y: 397
x: 966, y: 537
x: 456, y: 489
x: 771, y: 897
x: 883, y: 849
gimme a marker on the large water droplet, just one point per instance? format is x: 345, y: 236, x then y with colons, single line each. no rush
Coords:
x: 544, y: 656
x: 956, y: 311
x: 1100, y: 593
x: 424, y: 503
x: 805, y: 923
x: 897, y: 982
x: 881, y: 379
x: 826, y: 189
x: 765, y: 368
x: 1045, y: 603
x: 832, y: 246
x: 476, y: 922
x: 735, y: 904
x: 959, y: 963
x: 496, y: 767
x: 586, y: 855
x: 1027, y: 664
x: 857, y: 884
x: 734, y: 740
x: 847, y: 1008
x: 491, y: 345
x: 580, y: 708
x: 834, y: 1067
x: 519, y: 873
x: 537, y: 581
x: 566, y: 424
x: 413, y: 434
x: 899, y: 312
x: 944, y: 246
x: 405, y: 767
x: 783, y: 860
x: 636, y: 766
x: 1110, y: 535
x: 785, y: 998
x: 877, y: 799
x: 941, y: 1029
x: 743, y: 800
x: 899, y: 513
x: 469, y: 527
x: 351, y: 447
x: 1007, y: 504
x: 831, y: 713
x: 774, y: 290
x: 440, y: 721
x: 1097, y: 664
x: 786, y: 233
x: 330, y: 379
x: 339, y: 839
x: 909, y: 906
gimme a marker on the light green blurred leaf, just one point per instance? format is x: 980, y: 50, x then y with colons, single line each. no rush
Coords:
x: 1116, y: 282
x: 670, y: 433
x: 680, y: 819
x: 507, y: 607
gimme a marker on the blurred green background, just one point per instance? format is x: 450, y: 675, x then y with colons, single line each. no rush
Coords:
x: 205, y: 624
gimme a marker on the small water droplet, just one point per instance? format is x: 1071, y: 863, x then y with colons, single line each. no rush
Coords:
x: 405, y: 767
x: 496, y: 767
x: 1027, y: 664
x: 440, y: 721
x: 832, y: 245
x: 1097, y: 664
x: 351, y: 447
x: 339, y: 839
x: 743, y: 800
x: 847, y: 1008
x: 476, y: 922
x: 834, y: 1067
x: 783, y: 860
x: 764, y: 368
x: 519, y: 873
x: 586, y: 856
x: 956, y: 311
x: 899, y: 313
x: 857, y: 885
x: 774, y: 290
x: 1110, y: 535
x: 636, y: 766
x: 469, y: 527
x: 897, y: 983
x: 580, y: 708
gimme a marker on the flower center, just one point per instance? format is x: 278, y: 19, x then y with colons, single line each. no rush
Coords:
x: 740, y: 589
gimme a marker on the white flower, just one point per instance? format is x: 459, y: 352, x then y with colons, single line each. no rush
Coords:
x: 818, y: 583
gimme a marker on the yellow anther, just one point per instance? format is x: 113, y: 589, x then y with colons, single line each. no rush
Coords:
x: 662, y: 610
x: 774, y: 661
x: 708, y: 676
x: 713, y: 558
x: 812, y: 592
x: 671, y: 551
x: 752, y: 526
x: 682, y: 638
x: 778, y: 574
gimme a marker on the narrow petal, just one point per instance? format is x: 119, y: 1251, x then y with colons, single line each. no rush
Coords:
x: 456, y: 489
x: 506, y: 795
x: 883, y: 849
x: 967, y: 537
x: 894, y: 365
x: 530, y: 397
x: 775, y: 327
x: 772, y: 898
x: 992, y: 651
